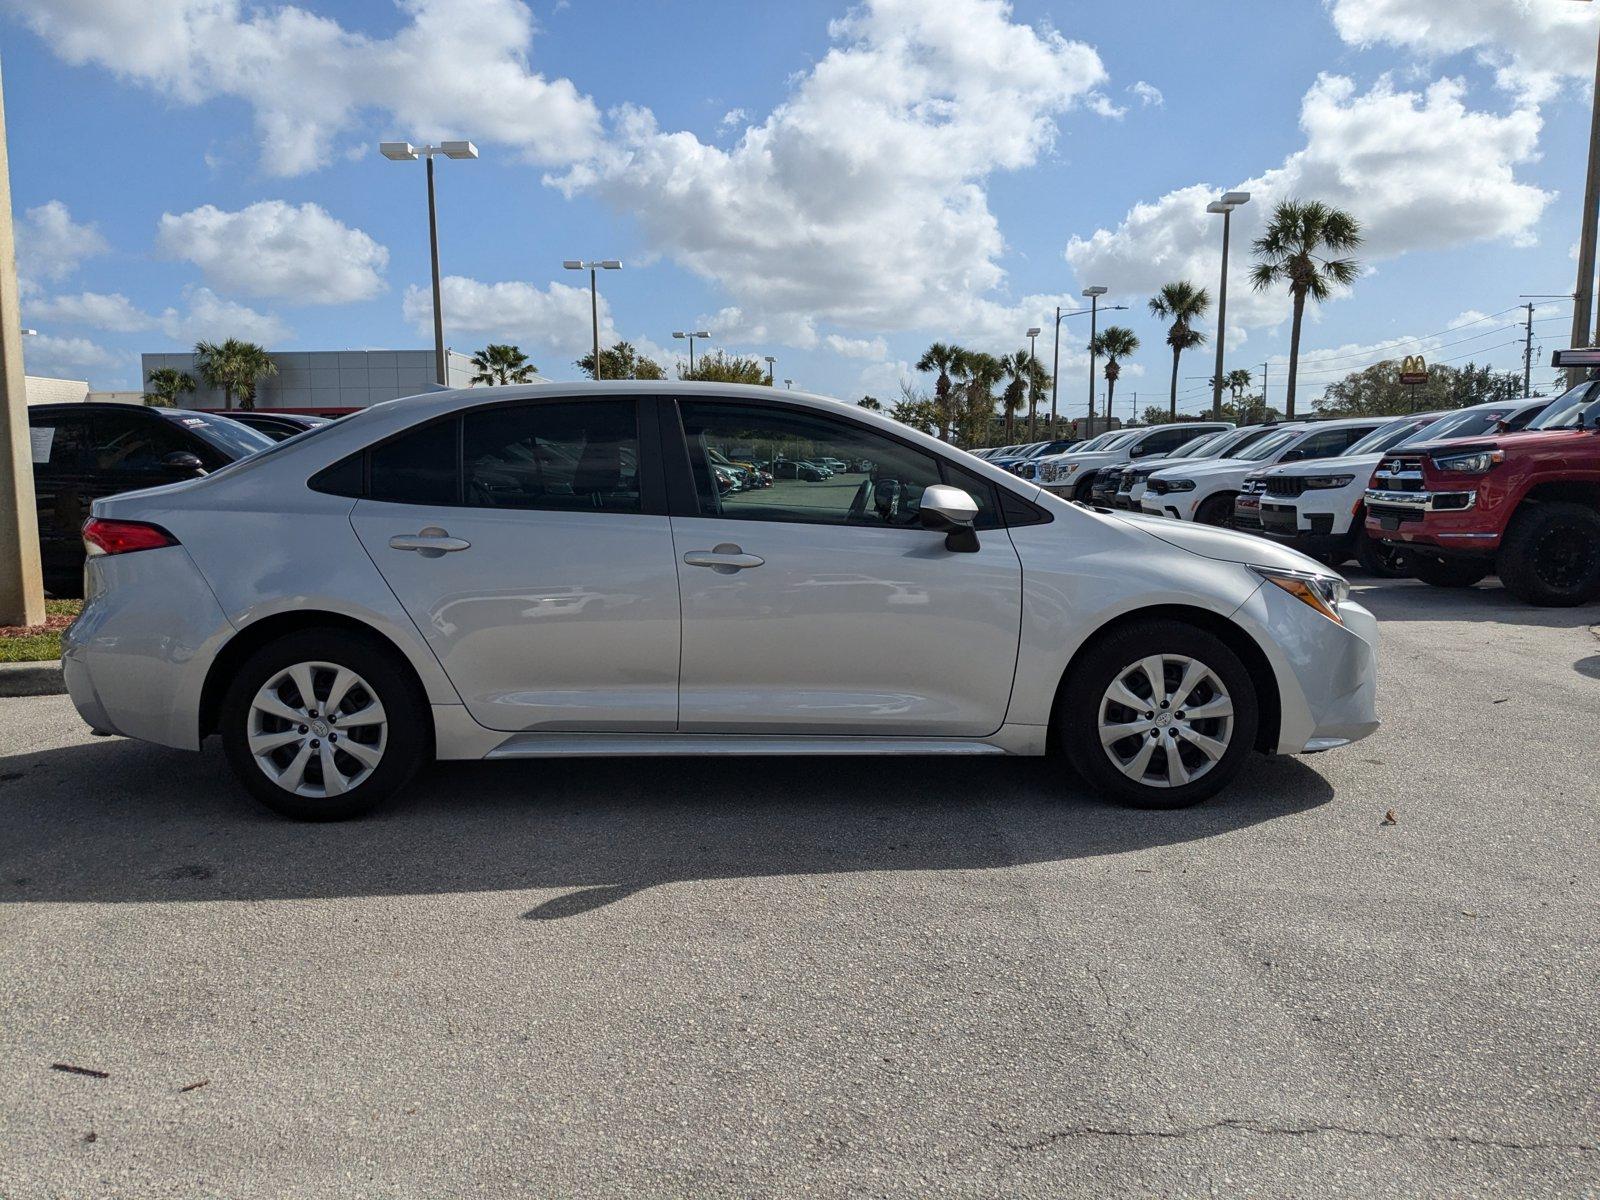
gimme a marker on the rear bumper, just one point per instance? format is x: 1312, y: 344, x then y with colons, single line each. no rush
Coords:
x: 136, y: 659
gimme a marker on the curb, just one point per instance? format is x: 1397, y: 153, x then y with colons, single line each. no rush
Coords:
x: 32, y: 679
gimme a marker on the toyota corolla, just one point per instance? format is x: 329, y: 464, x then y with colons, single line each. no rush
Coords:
x: 527, y: 572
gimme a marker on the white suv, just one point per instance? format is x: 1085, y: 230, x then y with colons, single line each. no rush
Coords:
x: 1317, y: 507
x: 1072, y: 475
x: 1206, y: 491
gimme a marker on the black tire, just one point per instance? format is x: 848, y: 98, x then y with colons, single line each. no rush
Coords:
x: 1376, y: 558
x: 1078, y: 716
x: 1216, y: 510
x: 1551, y: 555
x: 1081, y: 493
x: 1447, y: 572
x: 407, y: 741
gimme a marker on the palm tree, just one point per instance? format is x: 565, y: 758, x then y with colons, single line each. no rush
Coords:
x: 1017, y: 373
x: 980, y: 373
x: 1114, y: 343
x: 1181, y: 303
x: 1237, y: 381
x: 870, y: 403
x: 1295, y: 249
x: 235, y: 366
x: 945, y: 360
x: 166, y: 385
x: 498, y: 365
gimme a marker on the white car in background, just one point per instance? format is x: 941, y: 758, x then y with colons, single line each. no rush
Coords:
x: 1072, y: 475
x: 1319, y: 508
x: 1225, y: 444
x: 1206, y: 491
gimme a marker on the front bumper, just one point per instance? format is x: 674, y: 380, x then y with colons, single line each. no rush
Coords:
x: 1327, y: 673
x: 1454, y: 522
x: 1309, y: 533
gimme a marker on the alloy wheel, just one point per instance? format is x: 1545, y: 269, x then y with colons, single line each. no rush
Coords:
x: 1166, y: 720
x: 317, y: 729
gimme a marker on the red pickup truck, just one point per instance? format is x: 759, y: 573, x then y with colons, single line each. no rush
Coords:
x: 1525, y: 506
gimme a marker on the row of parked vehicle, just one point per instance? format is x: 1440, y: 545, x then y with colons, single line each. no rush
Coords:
x: 1510, y: 487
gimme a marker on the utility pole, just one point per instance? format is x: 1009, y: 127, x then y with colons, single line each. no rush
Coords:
x: 1583, y: 294
x: 21, y: 584
x: 1094, y: 294
x: 1527, y: 356
x: 1264, y: 405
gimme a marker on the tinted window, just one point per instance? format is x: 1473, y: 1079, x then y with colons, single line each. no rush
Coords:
x: 227, y: 437
x: 136, y: 442
x: 1325, y: 443
x: 1167, y: 439
x: 62, y: 443
x: 1575, y: 408
x: 572, y: 457
x: 418, y: 467
x: 882, y: 483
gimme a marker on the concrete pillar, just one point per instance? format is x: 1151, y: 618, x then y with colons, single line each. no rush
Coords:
x: 21, y: 585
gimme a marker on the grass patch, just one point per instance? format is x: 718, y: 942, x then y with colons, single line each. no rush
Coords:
x: 39, y: 643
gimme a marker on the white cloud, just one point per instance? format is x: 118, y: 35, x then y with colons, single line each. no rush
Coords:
x: 297, y: 253
x: 1532, y: 45
x: 871, y: 348
x: 554, y: 319
x: 859, y: 201
x: 98, y: 310
x: 734, y: 116
x: 211, y: 318
x: 455, y: 68
x: 1148, y: 94
x: 50, y: 244
x: 1419, y: 170
x: 50, y: 355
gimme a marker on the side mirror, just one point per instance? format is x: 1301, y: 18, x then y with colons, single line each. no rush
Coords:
x: 951, y: 511
x: 182, y: 462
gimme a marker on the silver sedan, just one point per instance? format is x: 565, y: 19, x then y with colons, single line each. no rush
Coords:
x: 558, y: 570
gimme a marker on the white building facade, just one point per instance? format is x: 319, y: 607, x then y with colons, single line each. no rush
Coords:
x: 322, y: 379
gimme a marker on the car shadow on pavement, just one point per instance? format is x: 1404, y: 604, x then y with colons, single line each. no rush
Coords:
x: 115, y: 821
x: 1413, y: 600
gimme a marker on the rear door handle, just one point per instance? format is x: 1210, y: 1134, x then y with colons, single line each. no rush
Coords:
x: 430, y: 542
x: 726, y: 559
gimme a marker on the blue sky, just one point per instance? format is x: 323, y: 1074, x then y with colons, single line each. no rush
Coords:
x: 833, y: 184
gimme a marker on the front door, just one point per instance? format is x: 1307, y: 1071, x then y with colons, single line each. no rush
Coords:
x: 517, y: 537
x: 813, y: 600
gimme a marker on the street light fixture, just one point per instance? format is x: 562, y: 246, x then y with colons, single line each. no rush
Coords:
x: 1225, y: 206
x: 592, y: 266
x: 406, y: 152
x: 1055, y: 363
x: 789, y: 384
x: 772, y: 363
x: 1033, y: 386
x: 691, y: 335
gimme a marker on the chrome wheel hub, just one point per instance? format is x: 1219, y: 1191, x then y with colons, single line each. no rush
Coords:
x: 317, y: 729
x: 1166, y: 720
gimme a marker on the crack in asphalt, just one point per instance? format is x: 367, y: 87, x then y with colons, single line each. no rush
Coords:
x: 1244, y: 1125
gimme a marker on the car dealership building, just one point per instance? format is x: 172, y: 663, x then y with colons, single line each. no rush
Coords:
x: 331, y: 379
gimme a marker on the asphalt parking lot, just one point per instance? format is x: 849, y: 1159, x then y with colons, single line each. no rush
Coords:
x: 830, y: 977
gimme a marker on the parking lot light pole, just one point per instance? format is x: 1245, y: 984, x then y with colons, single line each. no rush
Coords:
x: 1033, y: 377
x: 698, y: 333
x: 772, y: 364
x: 1225, y: 206
x: 406, y: 152
x: 594, y: 266
x: 21, y: 582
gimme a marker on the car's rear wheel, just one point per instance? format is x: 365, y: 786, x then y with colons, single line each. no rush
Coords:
x: 1160, y: 714
x: 323, y: 725
x: 1551, y: 555
x: 1447, y: 572
x: 1216, y: 510
x: 1375, y: 558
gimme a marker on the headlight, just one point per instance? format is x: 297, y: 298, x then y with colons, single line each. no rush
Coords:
x: 1328, y: 481
x: 1325, y: 593
x: 1470, y: 464
x: 1071, y: 469
x: 1180, y: 485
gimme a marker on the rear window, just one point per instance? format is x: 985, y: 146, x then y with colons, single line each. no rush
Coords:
x: 232, y: 439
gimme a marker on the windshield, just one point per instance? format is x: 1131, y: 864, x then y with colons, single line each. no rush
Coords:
x: 1469, y: 423
x: 1198, y: 447
x: 1385, y: 436
x: 1573, y: 409
x: 1120, y: 439
x: 1268, y: 446
x: 1098, y: 441
x: 230, y: 437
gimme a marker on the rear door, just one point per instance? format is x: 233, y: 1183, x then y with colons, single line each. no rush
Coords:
x: 529, y: 543
x: 821, y: 606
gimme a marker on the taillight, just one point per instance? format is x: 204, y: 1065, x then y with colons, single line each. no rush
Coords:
x: 101, y: 536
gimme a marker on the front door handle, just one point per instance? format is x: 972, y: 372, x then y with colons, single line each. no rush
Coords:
x: 726, y: 559
x: 430, y: 542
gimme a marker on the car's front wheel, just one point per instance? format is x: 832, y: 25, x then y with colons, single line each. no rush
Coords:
x: 323, y: 725
x: 1159, y: 714
x: 1551, y: 555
